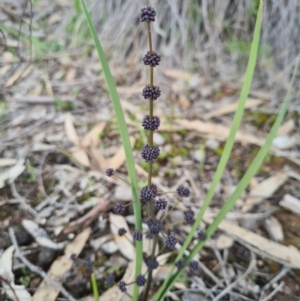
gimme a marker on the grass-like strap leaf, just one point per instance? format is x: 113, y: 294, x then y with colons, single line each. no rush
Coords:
x: 125, y: 139
x: 227, y: 149
x: 251, y: 171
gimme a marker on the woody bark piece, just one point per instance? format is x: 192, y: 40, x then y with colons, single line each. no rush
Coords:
x: 61, y: 265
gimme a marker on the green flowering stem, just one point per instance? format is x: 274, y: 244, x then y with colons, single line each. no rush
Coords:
x: 150, y: 142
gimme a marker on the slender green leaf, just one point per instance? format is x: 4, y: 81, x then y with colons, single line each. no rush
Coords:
x: 125, y: 140
x: 94, y: 287
x: 228, y: 146
x: 251, y: 171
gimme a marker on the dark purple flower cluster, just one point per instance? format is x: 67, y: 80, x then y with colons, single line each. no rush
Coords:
x: 154, y: 228
x: 183, y: 191
x: 151, y: 92
x: 171, y: 241
x: 147, y: 14
x: 110, y: 172
x: 150, y: 153
x: 73, y: 257
x: 119, y: 208
x: 151, y: 59
x: 110, y: 280
x: 122, y: 286
x: 149, y: 235
x: 147, y: 194
x: 122, y: 231
x: 179, y: 264
x: 201, y: 235
x: 160, y: 204
x: 151, y: 263
x: 137, y: 235
x: 189, y: 217
x: 176, y: 230
x: 194, y: 265
x: 105, y: 215
x: 151, y: 124
x: 88, y: 264
x: 140, y: 280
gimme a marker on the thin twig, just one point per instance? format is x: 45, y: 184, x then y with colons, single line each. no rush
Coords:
x: 21, y: 200
x: 36, y: 270
x: 210, y: 274
x: 223, y: 268
x: 278, y: 288
x: 233, y: 284
x: 10, y: 286
x: 282, y: 273
x: 222, y: 264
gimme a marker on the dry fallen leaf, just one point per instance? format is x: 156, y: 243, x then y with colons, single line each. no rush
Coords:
x: 91, y: 139
x: 7, y: 274
x: 119, y: 158
x: 250, y: 103
x: 124, y: 242
x: 286, y: 128
x: 7, y: 162
x: 80, y: 155
x: 288, y: 255
x: 291, y: 203
x: 284, y: 254
x: 274, y: 228
x: 219, y: 132
x: 98, y: 157
x: 224, y: 242
x: 178, y: 74
x: 40, y: 235
x: 70, y: 130
x: 12, y: 173
x: 264, y: 190
x: 60, y: 266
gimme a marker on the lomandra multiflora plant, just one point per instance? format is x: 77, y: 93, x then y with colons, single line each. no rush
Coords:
x: 159, y: 231
x: 148, y: 204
